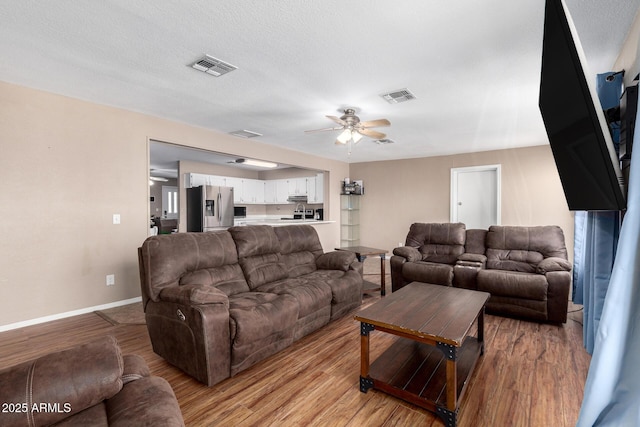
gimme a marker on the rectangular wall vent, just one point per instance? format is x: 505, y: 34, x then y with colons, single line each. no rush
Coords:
x: 213, y: 66
x: 397, y: 96
x: 245, y: 133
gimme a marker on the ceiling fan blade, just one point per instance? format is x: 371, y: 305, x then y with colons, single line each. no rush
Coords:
x: 337, y: 120
x: 338, y: 142
x: 372, y: 133
x: 321, y: 130
x: 375, y: 123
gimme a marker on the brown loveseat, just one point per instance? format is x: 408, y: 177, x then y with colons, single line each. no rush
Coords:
x: 88, y: 385
x: 218, y: 302
x: 525, y: 269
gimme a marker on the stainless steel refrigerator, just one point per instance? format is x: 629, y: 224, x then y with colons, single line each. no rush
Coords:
x: 209, y: 207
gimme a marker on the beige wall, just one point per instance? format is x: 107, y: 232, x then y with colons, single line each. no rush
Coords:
x: 401, y: 192
x: 67, y: 166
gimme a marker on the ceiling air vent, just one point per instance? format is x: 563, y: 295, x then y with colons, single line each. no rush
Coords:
x: 245, y: 133
x: 213, y: 66
x: 397, y: 96
x: 384, y: 141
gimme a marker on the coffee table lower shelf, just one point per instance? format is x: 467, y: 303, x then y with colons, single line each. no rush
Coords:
x: 416, y: 372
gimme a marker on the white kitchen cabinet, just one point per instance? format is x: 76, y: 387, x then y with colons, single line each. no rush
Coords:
x: 270, y: 192
x: 198, y: 179
x: 282, y: 191
x: 315, y: 188
x: 311, y: 189
x: 297, y: 186
x: 248, y: 191
x: 236, y: 183
x: 253, y: 191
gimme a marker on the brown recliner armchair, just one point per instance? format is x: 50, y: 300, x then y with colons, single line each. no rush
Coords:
x: 87, y: 385
x: 429, y: 254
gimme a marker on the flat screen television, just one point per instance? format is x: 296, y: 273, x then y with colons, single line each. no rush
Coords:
x: 578, y: 132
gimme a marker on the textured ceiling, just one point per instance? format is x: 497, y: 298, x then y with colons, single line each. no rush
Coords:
x: 473, y: 65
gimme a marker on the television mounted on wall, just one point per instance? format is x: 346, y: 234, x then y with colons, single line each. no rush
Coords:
x: 578, y: 133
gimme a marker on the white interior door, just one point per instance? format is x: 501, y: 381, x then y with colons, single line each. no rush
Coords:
x: 475, y: 196
x: 170, y: 204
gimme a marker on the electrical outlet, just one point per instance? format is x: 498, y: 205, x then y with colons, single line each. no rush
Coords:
x: 116, y: 218
x: 400, y: 244
x: 111, y: 279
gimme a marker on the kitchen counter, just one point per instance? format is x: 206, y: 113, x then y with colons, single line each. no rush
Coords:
x: 276, y: 222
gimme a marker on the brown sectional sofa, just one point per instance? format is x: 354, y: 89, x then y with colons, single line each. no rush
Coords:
x: 218, y: 302
x: 88, y: 385
x: 525, y: 269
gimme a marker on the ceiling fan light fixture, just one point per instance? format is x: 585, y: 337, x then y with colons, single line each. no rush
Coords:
x: 344, y: 136
x: 356, y: 136
x: 257, y: 163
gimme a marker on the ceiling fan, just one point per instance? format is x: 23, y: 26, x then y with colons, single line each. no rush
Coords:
x: 353, y: 129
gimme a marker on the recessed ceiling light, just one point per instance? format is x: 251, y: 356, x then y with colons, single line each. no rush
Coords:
x: 245, y: 133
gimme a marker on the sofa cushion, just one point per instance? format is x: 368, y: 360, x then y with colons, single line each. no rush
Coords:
x: 312, y: 295
x: 440, y: 243
x: 513, y: 284
x: 259, y: 254
x: 165, y: 259
x: 513, y: 260
x: 75, y: 379
x: 255, y: 240
x: 262, y: 269
x: 227, y: 278
x: 475, y: 241
x: 299, y: 248
x: 523, y: 248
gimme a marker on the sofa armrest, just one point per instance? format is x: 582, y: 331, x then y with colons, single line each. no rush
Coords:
x: 472, y: 260
x: 135, y: 368
x: 409, y: 252
x: 148, y: 401
x: 77, y: 379
x: 335, y: 260
x: 553, y: 264
x: 194, y: 295
x: 558, y: 295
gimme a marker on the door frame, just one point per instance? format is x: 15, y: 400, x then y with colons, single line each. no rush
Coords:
x: 454, y: 188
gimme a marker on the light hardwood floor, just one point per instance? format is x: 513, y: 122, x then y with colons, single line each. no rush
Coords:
x: 531, y: 375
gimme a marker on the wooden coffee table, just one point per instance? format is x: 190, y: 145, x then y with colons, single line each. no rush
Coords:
x: 430, y: 363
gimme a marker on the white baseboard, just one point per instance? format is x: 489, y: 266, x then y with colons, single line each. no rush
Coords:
x: 45, y: 319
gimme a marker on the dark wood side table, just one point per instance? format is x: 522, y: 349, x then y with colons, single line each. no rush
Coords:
x: 362, y: 252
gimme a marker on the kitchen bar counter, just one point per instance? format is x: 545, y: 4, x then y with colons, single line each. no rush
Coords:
x: 276, y: 222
